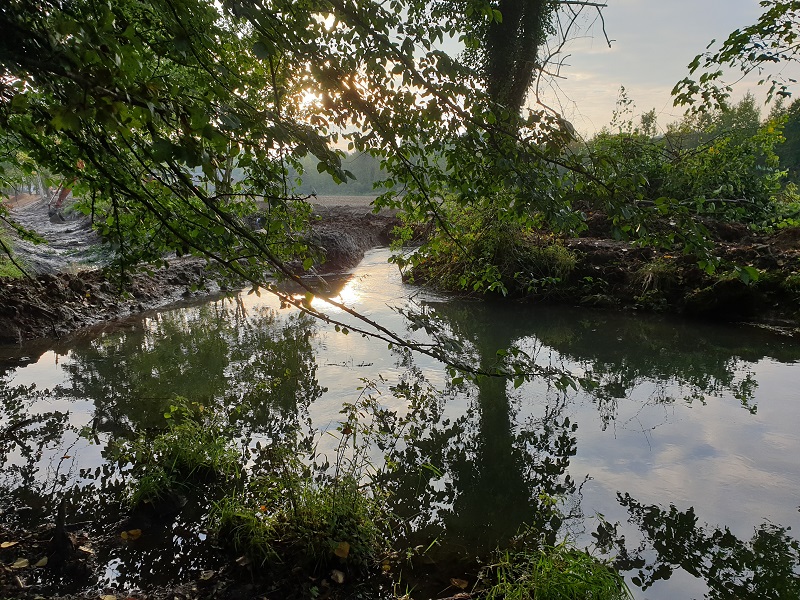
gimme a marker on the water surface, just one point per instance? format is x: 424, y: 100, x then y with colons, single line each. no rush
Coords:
x: 681, y: 435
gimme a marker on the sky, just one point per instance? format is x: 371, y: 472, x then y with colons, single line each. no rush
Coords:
x: 653, y: 41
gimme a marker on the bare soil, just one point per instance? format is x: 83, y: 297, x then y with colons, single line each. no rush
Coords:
x: 69, y: 291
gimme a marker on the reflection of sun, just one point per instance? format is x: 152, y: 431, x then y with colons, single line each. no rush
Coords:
x: 349, y: 295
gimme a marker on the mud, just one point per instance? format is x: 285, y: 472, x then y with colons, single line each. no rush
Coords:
x: 68, y: 291
x: 619, y: 275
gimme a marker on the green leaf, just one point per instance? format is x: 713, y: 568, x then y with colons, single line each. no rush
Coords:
x: 263, y: 50
x: 162, y: 150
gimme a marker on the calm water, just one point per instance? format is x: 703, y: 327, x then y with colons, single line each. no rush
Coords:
x: 677, y: 453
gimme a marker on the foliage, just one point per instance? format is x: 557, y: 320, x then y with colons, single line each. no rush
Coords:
x: 721, y: 163
x: 658, y: 275
x: 193, y: 449
x: 491, y: 250
x: 763, y: 567
x: 150, y: 110
x: 7, y: 260
x: 561, y: 572
x: 300, y: 523
x: 767, y: 43
x: 308, y: 513
x: 365, y: 170
x: 502, y: 40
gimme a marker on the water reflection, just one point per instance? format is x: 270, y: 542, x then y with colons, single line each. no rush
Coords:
x: 476, y: 460
x: 765, y: 566
x: 255, y: 364
x: 30, y: 441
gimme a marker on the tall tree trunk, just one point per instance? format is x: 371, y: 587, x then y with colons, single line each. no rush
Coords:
x: 512, y: 50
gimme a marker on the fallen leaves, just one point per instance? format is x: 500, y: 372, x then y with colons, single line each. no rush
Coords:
x: 8, y: 544
x: 459, y: 583
x: 132, y: 534
x: 342, y: 550
x: 337, y: 576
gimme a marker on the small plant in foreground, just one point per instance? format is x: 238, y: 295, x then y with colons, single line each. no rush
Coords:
x: 7, y: 268
x: 658, y: 275
x: 310, y: 516
x: 554, y: 573
x: 303, y: 523
x: 193, y: 449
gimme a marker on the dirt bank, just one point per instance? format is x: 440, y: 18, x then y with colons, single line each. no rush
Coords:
x: 69, y: 292
x: 757, y: 280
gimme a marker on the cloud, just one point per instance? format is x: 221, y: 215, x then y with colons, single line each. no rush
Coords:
x: 654, y: 43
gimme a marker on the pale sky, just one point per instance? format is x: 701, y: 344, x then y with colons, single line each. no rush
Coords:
x: 653, y: 41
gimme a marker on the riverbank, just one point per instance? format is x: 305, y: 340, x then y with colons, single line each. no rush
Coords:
x: 67, y: 291
x: 755, y: 279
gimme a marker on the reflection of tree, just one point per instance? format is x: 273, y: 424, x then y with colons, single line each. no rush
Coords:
x: 765, y: 567
x: 619, y: 353
x: 672, y: 359
x: 25, y: 439
x: 260, y: 367
x: 482, y: 476
x: 257, y: 369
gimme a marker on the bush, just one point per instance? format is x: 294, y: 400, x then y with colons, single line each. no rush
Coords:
x: 501, y: 253
x: 288, y: 521
x: 193, y: 449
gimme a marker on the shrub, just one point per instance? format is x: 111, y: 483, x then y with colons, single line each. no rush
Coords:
x: 495, y: 252
x: 193, y: 449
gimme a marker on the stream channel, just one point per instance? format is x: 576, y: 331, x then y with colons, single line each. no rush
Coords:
x: 678, y: 455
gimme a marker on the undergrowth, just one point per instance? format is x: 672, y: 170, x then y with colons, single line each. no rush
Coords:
x: 557, y: 572
x: 485, y: 253
x: 193, y: 449
x: 7, y: 268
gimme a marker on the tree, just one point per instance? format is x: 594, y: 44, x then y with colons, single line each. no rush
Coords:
x: 767, y: 43
x: 151, y: 107
x: 502, y: 40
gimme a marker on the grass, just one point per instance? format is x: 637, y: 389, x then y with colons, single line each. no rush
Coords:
x: 658, y: 275
x: 554, y: 573
x: 303, y: 524
x: 193, y: 450
x: 7, y: 268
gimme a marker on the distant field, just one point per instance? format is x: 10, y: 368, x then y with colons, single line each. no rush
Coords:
x: 343, y: 200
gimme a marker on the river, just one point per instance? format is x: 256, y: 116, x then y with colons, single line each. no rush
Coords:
x: 675, y: 451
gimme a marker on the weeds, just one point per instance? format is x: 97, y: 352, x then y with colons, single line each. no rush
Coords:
x: 303, y: 524
x: 7, y: 268
x: 494, y: 253
x: 193, y: 449
x: 310, y: 515
x: 554, y: 573
x: 658, y: 275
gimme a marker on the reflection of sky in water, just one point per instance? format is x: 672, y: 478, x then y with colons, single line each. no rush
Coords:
x: 736, y: 468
